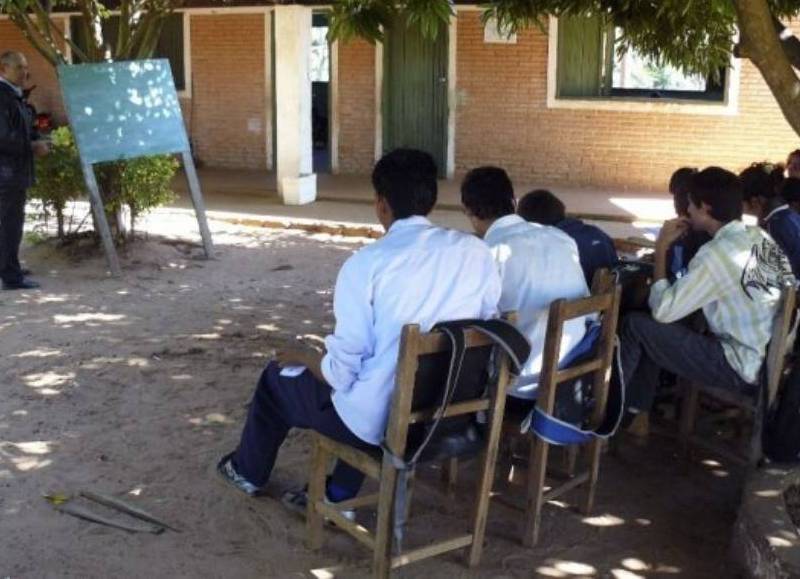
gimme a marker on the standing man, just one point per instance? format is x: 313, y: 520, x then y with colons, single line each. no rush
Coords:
x: 17, y: 150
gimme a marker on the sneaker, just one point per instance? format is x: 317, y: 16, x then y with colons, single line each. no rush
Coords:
x: 228, y: 472
x: 297, y: 502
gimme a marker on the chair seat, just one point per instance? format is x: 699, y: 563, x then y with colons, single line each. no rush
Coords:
x: 462, y: 442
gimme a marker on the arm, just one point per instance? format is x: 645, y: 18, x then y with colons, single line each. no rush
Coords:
x: 353, y: 338
x: 12, y: 142
x: 669, y: 303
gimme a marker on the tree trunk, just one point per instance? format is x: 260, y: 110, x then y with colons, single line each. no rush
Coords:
x: 760, y: 44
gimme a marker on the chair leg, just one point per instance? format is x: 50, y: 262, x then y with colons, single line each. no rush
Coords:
x: 756, y: 450
x: 537, y: 469
x: 570, y: 460
x: 688, y: 416
x: 595, y: 452
x: 450, y: 475
x: 382, y: 556
x: 316, y: 491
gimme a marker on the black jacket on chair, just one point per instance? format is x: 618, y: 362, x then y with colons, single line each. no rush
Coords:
x: 16, y: 132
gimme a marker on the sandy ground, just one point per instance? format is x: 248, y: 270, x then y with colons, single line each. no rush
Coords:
x: 135, y: 387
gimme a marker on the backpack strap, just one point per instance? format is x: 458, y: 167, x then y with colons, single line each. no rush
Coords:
x: 505, y: 336
x: 558, y: 432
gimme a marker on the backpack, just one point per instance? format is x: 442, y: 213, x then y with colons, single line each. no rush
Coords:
x: 782, y: 425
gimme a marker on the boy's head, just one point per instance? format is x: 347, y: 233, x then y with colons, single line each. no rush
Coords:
x: 679, y: 187
x: 793, y: 164
x: 715, y: 199
x: 541, y: 206
x: 760, y: 184
x: 405, y: 185
x: 790, y: 192
x: 486, y: 194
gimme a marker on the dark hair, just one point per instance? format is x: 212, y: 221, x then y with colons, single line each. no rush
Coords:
x: 541, y: 206
x: 721, y: 190
x: 793, y: 153
x: 790, y: 190
x: 761, y: 180
x: 406, y: 178
x: 679, y: 187
x: 487, y: 193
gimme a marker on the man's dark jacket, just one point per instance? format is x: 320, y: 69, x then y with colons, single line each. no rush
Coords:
x: 16, y: 156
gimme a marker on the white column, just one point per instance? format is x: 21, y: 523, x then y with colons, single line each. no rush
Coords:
x: 297, y: 183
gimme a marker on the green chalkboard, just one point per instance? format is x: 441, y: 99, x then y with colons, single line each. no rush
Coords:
x: 123, y: 110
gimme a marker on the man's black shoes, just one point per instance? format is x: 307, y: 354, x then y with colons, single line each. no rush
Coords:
x: 22, y: 284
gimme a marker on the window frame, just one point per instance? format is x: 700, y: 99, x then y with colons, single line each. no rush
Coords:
x: 635, y: 100
x: 186, y: 92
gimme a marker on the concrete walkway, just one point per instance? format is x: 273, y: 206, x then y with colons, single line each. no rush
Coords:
x: 252, y: 195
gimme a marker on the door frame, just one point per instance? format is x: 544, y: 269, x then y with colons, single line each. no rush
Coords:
x: 450, y: 141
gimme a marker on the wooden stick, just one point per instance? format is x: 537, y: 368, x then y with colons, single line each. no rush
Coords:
x: 84, y: 513
x: 124, y: 507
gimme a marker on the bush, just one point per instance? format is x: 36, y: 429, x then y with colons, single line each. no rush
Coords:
x: 138, y: 184
x: 59, y: 178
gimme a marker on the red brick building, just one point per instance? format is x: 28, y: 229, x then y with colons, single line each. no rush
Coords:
x: 479, y: 98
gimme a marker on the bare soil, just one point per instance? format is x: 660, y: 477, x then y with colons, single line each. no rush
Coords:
x: 134, y: 387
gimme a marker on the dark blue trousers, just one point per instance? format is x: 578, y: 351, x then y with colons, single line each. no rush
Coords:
x: 281, y: 403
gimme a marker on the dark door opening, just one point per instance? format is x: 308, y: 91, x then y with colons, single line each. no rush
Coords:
x: 320, y: 72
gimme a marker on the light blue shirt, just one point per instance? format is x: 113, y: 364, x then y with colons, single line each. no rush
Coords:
x: 538, y: 264
x: 415, y: 274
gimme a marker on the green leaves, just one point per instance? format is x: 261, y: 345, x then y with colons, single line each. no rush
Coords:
x: 368, y: 19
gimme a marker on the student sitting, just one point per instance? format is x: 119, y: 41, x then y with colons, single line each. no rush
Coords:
x: 736, y: 279
x: 761, y: 183
x: 683, y: 250
x: 793, y: 164
x: 416, y: 273
x: 538, y: 264
x: 790, y: 192
x: 596, y: 249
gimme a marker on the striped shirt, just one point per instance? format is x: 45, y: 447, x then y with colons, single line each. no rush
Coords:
x: 736, y: 279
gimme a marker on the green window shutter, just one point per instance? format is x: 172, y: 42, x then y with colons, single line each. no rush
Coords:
x: 581, y: 56
x: 170, y: 43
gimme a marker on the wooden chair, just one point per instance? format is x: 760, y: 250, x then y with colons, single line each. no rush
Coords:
x: 754, y: 405
x: 605, y: 301
x: 421, y: 375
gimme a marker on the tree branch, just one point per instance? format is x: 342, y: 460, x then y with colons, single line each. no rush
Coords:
x: 760, y: 43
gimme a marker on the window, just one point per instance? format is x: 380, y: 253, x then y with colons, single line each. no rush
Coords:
x: 170, y: 44
x: 588, y: 65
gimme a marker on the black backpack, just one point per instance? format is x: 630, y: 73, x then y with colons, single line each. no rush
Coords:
x: 782, y: 426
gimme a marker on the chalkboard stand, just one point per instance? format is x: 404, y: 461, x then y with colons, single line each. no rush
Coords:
x: 102, y: 222
x: 100, y: 219
x: 197, y: 201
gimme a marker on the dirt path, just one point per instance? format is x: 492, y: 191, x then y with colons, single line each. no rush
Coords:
x: 136, y: 386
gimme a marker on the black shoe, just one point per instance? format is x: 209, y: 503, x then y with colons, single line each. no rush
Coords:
x: 26, y: 272
x: 21, y: 284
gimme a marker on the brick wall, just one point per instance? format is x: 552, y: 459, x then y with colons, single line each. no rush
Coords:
x: 229, y: 107
x: 47, y: 96
x: 503, y: 119
x: 356, y: 107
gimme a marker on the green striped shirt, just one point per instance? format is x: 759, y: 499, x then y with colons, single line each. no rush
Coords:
x: 736, y: 278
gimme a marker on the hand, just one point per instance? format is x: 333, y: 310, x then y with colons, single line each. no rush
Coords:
x: 671, y: 231
x: 293, y: 357
x: 311, y: 359
x: 40, y: 148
